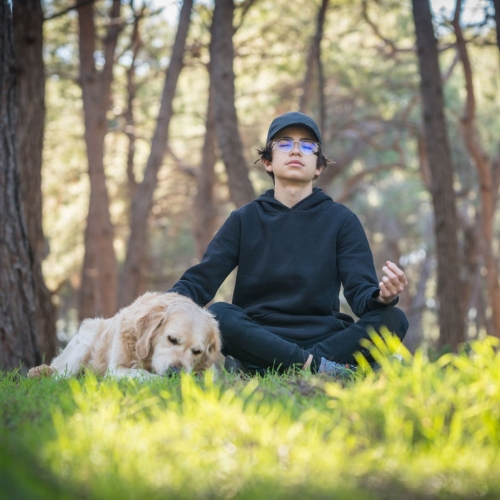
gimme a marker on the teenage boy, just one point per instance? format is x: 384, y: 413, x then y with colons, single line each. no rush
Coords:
x: 294, y: 247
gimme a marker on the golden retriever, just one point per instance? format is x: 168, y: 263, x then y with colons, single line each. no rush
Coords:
x: 158, y: 334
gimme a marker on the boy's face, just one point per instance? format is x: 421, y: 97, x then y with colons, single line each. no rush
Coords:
x: 293, y: 167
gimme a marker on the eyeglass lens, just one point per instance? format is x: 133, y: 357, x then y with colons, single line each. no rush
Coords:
x: 286, y: 145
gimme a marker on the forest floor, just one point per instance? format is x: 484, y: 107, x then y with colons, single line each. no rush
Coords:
x: 415, y: 430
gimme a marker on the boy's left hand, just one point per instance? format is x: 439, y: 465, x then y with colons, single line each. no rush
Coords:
x: 392, y: 284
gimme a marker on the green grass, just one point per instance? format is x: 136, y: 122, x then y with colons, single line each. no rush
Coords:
x: 417, y: 430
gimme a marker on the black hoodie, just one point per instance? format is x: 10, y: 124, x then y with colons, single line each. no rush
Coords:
x: 291, y: 264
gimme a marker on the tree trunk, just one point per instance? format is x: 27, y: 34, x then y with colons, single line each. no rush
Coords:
x: 19, y: 342
x: 226, y: 119
x: 321, y: 93
x: 28, y: 38
x: 496, y: 6
x: 132, y: 273
x: 314, y: 65
x: 204, y: 209
x: 135, y: 46
x: 451, y: 322
x: 99, y: 272
x: 470, y: 259
x: 483, y: 164
x: 414, y: 336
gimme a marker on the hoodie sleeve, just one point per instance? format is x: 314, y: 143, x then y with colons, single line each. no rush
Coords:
x: 201, y: 282
x: 356, y: 268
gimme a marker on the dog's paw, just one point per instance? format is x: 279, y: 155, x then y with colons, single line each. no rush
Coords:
x: 41, y: 371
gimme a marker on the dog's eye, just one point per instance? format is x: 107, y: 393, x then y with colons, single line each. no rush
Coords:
x: 196, y: 351
x: 173, y: 340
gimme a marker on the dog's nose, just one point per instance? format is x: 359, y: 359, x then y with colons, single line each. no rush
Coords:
x: 172, y: 370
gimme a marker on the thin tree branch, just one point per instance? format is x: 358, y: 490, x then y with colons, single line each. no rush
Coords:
x: 446, y: 76
x: 182, y: 165
x: 393, y: 49
x: 351, y: 185
x: 79, y: 4
x: 329, y: 175
x: 245, y: 7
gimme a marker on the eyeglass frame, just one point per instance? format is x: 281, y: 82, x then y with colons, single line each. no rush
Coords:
x: 298, y: 142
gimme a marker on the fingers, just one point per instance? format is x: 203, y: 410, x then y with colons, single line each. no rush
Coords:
x: 394, y: 273
x: 393, y: 283
x: 391, y: 287
x: 384, y: 292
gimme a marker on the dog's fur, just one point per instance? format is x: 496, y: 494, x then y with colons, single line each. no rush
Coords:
x: 158, y: 333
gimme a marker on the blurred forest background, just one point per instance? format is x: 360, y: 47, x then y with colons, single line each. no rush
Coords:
x: 153, y: 113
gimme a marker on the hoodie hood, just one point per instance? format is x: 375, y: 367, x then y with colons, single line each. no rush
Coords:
x: 271, y: 204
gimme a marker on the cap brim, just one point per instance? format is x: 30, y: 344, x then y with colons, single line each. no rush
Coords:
x: 294, y: 124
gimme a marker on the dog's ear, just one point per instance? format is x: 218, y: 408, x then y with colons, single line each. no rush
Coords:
x: 146, y: 326
x: 213, y: 347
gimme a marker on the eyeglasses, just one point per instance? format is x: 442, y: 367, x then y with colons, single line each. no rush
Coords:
x: 286, y: 145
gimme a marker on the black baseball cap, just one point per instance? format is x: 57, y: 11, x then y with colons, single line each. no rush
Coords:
x: 292, y: 118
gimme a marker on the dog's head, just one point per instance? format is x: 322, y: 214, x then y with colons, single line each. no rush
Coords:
x: 177, y: 335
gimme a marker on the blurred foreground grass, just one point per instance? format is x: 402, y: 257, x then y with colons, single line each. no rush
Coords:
x: 418, y: 430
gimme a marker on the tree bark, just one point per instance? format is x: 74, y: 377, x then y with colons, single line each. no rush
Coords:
x: 470, y: 258
x: 204, y: 209
x: 135, y: 46
x: 314, y: 66
x: 414, y: 336
x: 321, y: 93
x: 496, y: 6
x: 19, y: 342
x: 132, y: 273
x: 451, y: 322
x: 483, y: 164
x: 28, y: 38
x: 226, y: 119
x: 99, y: 271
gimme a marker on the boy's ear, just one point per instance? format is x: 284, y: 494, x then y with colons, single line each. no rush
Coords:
x: 267, y: 165
x: 318, y: 172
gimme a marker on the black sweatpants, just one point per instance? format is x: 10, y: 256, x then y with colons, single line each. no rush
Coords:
x: 250, y: 342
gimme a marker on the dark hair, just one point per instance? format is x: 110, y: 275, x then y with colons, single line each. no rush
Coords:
x: 266, y: 153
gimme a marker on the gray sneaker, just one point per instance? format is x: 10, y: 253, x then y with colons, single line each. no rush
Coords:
x: 338, y: 370
x: 394, y: 358
x: 234, y: 365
